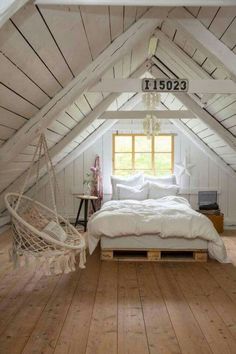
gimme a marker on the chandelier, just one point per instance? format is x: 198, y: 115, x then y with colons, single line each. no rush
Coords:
x: 151, y: 124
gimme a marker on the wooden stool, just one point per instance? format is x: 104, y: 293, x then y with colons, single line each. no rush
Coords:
x: 84, y: 199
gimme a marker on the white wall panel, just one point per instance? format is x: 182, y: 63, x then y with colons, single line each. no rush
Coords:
x: 206, y: 175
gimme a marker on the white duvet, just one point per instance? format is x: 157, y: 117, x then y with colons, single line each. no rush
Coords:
x: 168, y: 216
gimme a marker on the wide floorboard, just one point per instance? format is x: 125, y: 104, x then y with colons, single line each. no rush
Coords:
x: 119, y: 308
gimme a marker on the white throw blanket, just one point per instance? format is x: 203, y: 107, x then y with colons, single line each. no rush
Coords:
x: 168, y: 216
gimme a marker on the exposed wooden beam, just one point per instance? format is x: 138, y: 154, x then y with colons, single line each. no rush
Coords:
x: 205, y: 148
x: 197, y: 33
x: 88, y: 77
x: 181, y: 114
x: 8, y: 8
x: 195, y: 86
x: 200, y: 112
x: 139, y: 2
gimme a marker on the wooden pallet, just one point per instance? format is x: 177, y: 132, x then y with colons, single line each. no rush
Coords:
x: 154, y: 255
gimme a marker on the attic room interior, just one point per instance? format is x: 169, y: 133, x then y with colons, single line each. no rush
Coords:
x: 117, y: 176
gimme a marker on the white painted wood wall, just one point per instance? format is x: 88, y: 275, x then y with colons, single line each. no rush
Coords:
x: 206, y: 175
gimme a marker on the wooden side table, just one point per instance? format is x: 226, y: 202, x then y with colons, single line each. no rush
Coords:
x: 84, y: 199
x: 217, y: 220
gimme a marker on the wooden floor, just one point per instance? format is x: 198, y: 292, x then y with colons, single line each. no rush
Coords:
x: 119, y: 308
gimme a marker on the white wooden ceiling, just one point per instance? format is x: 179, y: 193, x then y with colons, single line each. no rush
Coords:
x: 43, y: 47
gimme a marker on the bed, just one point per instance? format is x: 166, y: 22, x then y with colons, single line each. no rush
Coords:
x: 153, y: 226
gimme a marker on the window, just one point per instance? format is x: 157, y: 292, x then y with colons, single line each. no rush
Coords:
x: 136, y: 153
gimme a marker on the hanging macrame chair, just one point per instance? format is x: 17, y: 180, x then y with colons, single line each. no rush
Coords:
x: 39, y: 233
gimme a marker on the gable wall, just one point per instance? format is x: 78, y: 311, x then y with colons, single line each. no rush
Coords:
x: 206, y: 175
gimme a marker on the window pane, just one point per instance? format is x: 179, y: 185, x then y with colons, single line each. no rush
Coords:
x: 163, y: 143
x: 123, y: 172
x: 143, y: 161
x: 123, y: 161
x: 142, y: 144
x: 146, y: 172
x: 163, y: 161
x: 123, y: 143
x: 163, y: 173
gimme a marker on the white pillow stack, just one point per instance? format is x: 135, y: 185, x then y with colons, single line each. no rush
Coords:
x: 156, y: 191
x: 165, y: 180
x: 141, y: 187
x: 131, y: 181
x: 134, y: 193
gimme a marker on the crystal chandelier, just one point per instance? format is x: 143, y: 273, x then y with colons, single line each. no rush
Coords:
x: 151, y: 124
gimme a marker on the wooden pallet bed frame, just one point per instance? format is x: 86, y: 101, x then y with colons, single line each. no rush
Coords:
x: 154, y: 255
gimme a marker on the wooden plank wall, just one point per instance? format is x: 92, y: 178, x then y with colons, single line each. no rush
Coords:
x: 206, y: 174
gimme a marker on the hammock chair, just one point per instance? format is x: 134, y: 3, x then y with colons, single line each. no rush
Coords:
x: 39, y: 233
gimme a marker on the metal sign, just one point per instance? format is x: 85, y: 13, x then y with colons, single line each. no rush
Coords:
x: 165, y: 85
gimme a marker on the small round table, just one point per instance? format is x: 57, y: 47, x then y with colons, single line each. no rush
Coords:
x: 84, y: 199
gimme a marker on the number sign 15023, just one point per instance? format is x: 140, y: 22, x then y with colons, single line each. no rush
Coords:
x: 164, y: 85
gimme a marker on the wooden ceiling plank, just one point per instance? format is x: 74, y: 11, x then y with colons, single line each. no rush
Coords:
x: 6, y: 132
x: 206, y: 14
x: 140, y: 11
x: 93, y: 98
x: 228, y: 37
x: 222, y: 20
x: 194, y: 10
x: 66, y: 120
x: 11, y: 119
x: 59, y: 128
x: 129, y: 16
x: 14, y: 78
x: 8, y: 9
x: 83, y: 105
x: 74, y: 112
x: 15, y: 48
x: 66, y: 25
x: 216, y: 51
x: 96, y: 22
x: 140, y: 53
x: 183, y: 59
x: 30, y: 23
x: 116, y: 21
x: 13, y: 102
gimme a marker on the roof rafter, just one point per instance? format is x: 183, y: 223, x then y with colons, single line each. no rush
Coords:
x: 217, y: 51
x: 89, y: 76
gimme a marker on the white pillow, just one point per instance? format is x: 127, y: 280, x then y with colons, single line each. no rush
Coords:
x: 134, y: 193
x: 165, y: 180
x: 56, y: 231
x: 157, y: 191
x: 131, y: 181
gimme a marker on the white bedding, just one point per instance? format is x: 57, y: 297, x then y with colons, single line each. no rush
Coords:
x: 168, y: 216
